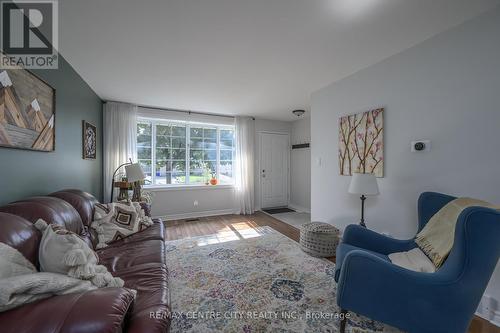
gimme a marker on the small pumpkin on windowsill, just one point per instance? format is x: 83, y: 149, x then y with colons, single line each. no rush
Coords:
x: 213, y: 181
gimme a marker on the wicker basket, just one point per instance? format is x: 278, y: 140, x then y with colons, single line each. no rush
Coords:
x: 319, y: 239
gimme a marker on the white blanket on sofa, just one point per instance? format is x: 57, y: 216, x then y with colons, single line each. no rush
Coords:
x: 20, y: 283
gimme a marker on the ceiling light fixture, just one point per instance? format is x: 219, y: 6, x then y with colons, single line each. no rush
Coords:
x: 299, y: 113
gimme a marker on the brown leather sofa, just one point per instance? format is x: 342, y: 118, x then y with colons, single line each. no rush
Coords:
x: 138, y: 259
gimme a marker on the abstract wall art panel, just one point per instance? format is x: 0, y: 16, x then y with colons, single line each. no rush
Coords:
x: 361, y: 143
x: 89, y: 141
x: 27, y: 111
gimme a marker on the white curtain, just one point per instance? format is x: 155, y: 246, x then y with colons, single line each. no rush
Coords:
x: 244, y: 165
x: 120, y: 139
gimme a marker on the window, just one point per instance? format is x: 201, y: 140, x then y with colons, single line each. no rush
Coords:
x: 173, y: 153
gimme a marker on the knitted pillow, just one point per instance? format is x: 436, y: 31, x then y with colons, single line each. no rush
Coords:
x: 115, y: 221
x: 62, y: 251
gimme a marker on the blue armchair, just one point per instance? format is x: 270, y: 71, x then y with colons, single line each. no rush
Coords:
x: 444, y: 301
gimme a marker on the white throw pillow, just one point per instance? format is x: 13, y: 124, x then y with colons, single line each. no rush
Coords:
x: 64, y: 252
x: 414, y: 260
x: 115, y: 221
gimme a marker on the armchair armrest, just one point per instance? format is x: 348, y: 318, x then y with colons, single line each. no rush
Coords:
x: 100, y: 310
x: 412, y: 301
x: 359, y: 236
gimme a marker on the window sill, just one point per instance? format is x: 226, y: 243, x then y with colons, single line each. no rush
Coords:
x: 163, y: 188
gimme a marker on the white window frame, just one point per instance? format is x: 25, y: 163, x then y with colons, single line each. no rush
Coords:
x: 154, y: 122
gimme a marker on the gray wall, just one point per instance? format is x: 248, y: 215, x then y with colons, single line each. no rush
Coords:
x: 24, y: 173
x: 447, y: 90
x: 179, y: 203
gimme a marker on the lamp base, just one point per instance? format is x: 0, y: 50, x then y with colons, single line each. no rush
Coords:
x: 137, y: 192
x: 362, y: 222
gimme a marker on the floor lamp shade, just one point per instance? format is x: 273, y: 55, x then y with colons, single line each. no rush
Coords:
x: 364, y: 184
x: 134, y: 173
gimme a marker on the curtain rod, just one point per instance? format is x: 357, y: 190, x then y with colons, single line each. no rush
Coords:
x: 182, y: 111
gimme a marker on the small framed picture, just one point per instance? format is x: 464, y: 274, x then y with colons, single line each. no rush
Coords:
x: 89, y: 141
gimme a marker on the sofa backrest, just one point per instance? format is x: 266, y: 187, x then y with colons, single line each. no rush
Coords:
x: 21, y: 235
x: 51, y: 210
x: 84, y: 203
x: 72, y: 209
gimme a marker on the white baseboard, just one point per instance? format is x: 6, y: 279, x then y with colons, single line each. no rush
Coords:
x: 193, y: 215
x: 493, y: 318
x: 298, y: 208
x: 488, y: 310
x: 496, y: 318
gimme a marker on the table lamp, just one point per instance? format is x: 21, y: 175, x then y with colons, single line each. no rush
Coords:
x: 364, y: 184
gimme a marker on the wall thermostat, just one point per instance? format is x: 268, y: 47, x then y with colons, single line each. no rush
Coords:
x: 420, y: 146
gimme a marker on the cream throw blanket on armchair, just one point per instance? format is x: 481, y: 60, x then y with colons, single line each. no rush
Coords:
x: 436, y: 238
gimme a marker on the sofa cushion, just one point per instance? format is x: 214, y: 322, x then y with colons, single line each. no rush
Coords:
x: 83, y: 202
x: 131, y: 254
x: 50, y: 209
x: 150, y: 281
x: 21, y: 235
x: 343, y: 249
x: 101, y: 310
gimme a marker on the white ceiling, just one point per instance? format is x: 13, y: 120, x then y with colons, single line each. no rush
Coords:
x: 253, y: 57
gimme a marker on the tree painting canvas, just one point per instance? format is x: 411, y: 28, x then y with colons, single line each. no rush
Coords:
x: 27, y: 111
x: 361, y: 143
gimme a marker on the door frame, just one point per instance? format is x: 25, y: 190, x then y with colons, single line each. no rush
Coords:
x: 260, y: 165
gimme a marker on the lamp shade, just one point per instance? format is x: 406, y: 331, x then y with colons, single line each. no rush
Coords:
x: 363, y: 183
x: 134, y: 172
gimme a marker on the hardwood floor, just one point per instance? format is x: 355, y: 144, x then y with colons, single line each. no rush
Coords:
x: 180, y: 229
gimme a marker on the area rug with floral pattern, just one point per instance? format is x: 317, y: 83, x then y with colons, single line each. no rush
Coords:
x: 254, y: 281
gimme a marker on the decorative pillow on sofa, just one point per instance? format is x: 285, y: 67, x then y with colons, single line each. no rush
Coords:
x: 115, y: 221
x: 64, y: 252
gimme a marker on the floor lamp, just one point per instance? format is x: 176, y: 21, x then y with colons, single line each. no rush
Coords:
x: 134, y: 174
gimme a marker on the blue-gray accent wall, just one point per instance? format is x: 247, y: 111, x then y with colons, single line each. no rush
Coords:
x: 26, y: 173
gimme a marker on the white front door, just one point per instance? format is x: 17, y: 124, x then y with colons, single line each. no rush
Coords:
x: 274, y: 159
